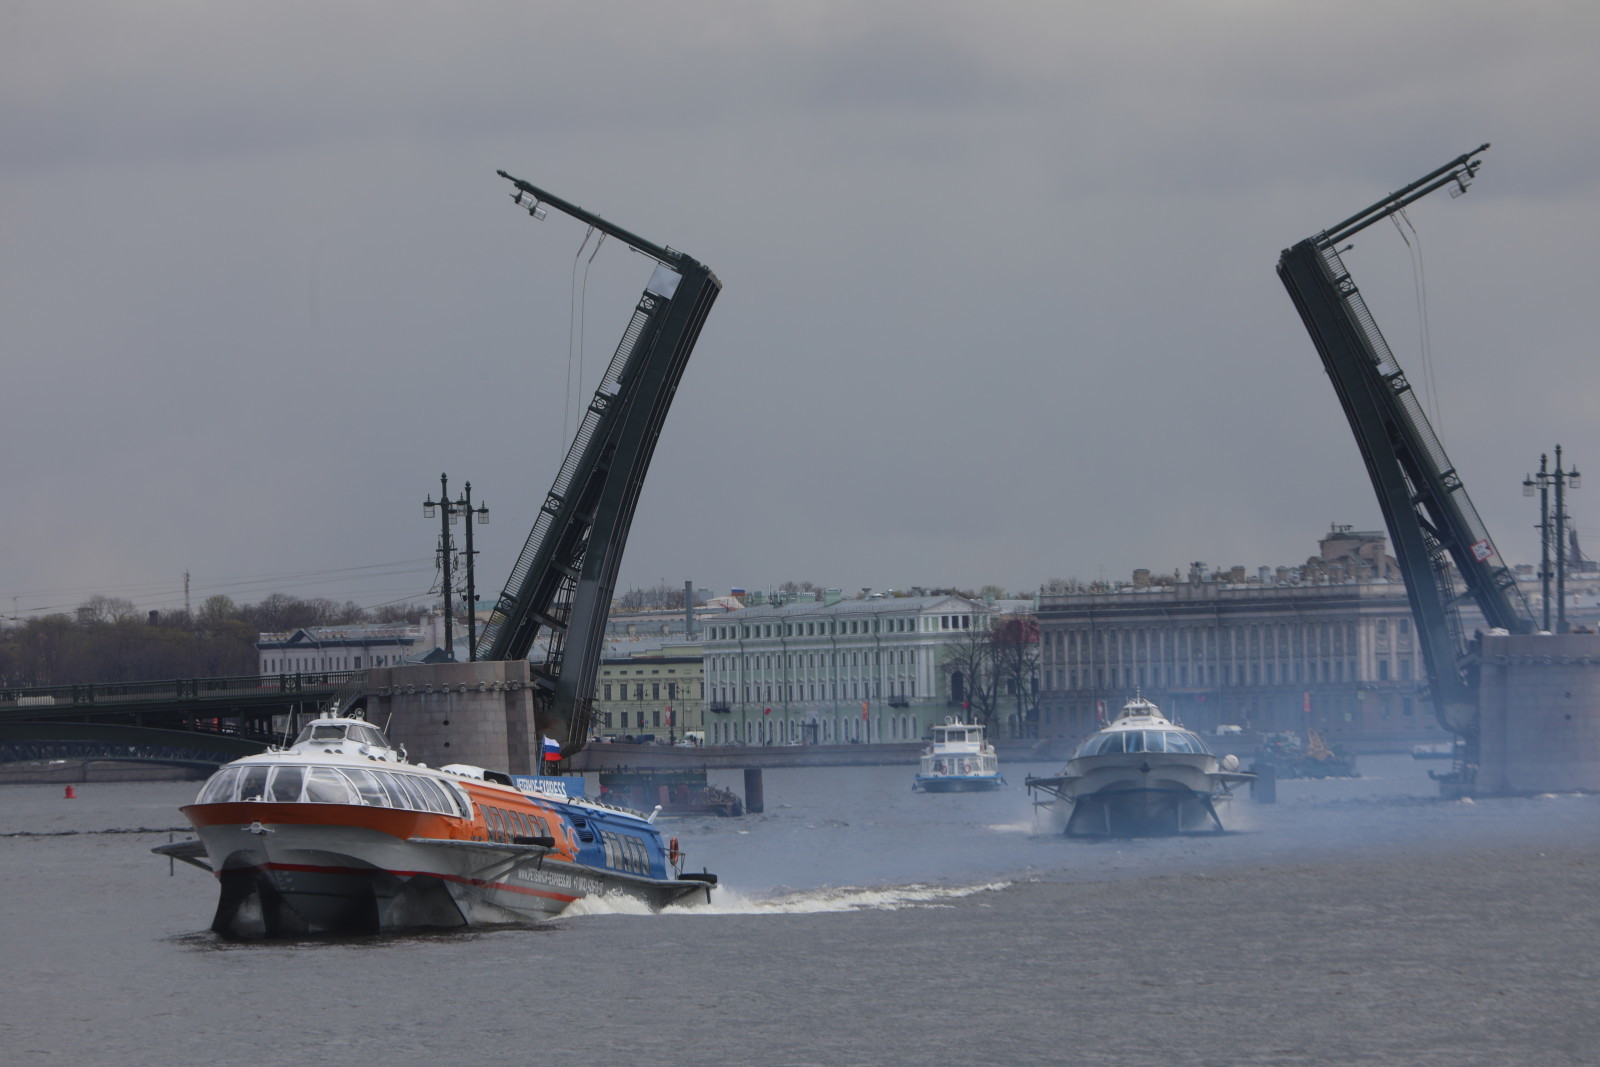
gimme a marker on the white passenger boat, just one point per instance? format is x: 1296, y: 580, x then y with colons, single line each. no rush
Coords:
x: 1140, y: 775
x: 959, y: 760
x: 339, y: 833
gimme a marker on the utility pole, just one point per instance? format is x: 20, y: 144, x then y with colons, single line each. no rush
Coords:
x: 445, y: 519
x: 479, y: 515
x: 1562, y: 480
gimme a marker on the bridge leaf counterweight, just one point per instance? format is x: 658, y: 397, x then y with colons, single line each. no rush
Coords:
x: 563, y: 581
x: 1437, y: 534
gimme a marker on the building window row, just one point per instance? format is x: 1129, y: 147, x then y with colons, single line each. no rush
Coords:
x: 836, y: 627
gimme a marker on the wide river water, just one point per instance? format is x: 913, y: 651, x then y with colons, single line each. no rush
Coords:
x: 1353, y: 921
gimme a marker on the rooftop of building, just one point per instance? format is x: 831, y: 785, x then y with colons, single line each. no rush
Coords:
x: 867, y: 605
x: 350, y: 632
x: 1346, y: 556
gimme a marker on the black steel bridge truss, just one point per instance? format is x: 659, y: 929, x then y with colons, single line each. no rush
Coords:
x: 1444, y: 551
x: 562, y: 584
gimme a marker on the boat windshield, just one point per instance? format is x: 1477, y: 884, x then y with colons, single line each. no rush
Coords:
x: 1113, y: 742
x: 361, y: 733
x: 367, y: 786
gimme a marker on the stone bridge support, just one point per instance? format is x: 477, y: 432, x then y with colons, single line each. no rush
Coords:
x: 1539, y: 714
x: 478, y: 713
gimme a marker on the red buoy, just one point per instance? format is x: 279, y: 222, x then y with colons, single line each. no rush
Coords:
x: 71, y: 793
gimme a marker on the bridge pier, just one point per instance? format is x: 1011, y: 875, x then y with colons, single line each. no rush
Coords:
x: 478, y: 713
x: 1538, y: 714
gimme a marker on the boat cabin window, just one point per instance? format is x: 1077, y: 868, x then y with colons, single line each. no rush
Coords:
x: 286, y: 783
x: 219, y: 789
x: 254, y: 783
x: 361, y: 733
x: 367, y: 784
x: 325, y: 785
x: 1120, y: 741
x: 507, y: 825
x: 330, y: 785
x: 1183, y: 741
x: 369, y: 735
x: 626, y: 852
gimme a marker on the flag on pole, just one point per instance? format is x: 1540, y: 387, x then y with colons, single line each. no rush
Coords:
x: 669, y: 714
x: 863, y: 709
x: 552, y: 750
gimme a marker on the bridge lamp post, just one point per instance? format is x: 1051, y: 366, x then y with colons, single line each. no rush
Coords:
x: 1562, y: 480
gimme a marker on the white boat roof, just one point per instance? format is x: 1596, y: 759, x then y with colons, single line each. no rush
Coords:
x: 1140, y: 714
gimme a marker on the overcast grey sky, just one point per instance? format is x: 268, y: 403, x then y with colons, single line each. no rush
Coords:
x: 999, y: 301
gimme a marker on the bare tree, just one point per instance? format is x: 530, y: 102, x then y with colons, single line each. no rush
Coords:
x: 1014, y: 640
x: 971, y: 655
x: 281, y: 612
x: 661, y: 597
x: 107, y: 609
x: 396, y: 613
x: 215, y: 611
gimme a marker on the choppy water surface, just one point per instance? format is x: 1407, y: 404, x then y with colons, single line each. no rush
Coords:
x: 1356, y: 920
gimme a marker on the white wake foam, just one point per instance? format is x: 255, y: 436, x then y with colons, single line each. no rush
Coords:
x: 726, y: 901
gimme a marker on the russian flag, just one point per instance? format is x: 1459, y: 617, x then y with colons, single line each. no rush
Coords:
x: 552, y: 750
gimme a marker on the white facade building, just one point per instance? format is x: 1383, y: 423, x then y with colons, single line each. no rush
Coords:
x: 340, y: 648
x: 832, y: 671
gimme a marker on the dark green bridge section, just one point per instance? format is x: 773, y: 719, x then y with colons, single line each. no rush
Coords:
x: 34, y: 742
x: 185, y: 722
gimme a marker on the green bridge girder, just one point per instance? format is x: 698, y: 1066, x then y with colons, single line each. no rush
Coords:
x: 35, y: 741
x: 187, y: 721
x: 192, y: 696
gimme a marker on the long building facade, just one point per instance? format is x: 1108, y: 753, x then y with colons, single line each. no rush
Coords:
x: 1329, y: 646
